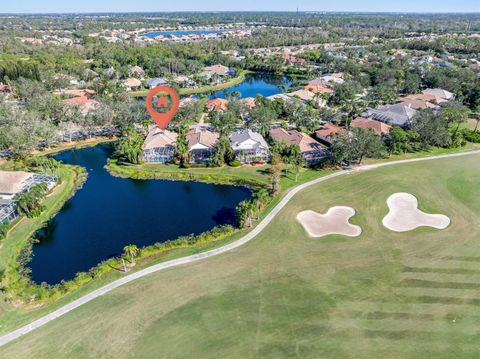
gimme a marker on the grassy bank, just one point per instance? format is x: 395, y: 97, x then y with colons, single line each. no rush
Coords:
x: 285, y: 294
x: 203, y: 89
x: 18, y: 238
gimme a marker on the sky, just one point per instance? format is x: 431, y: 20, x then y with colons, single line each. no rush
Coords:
x: 61, y: 6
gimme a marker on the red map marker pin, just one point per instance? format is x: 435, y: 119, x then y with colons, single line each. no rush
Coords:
x: 162, y: 119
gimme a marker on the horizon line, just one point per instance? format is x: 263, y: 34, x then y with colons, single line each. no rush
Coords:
x: 242, y: 11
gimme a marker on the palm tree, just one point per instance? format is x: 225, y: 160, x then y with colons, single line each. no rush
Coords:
x: 131, y: 250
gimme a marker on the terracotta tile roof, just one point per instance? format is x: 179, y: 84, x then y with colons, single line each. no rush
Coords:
x: 75, y: 92
x: 319, y: 89
x: 217, y: 104
x: 417, y: 104
x: 427, y: 97
x: 131, y: 82
x: 378, y: 127
x: 216, y: 69
x: 202, y: 136
x: 303, y: 94
x: 295, y: 137
x: 328, y: 130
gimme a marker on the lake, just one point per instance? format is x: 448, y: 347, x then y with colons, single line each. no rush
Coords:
x: 260, y: 83
x: 108, y: 213
x: 184, y: 32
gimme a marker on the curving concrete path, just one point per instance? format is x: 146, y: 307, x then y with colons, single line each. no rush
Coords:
x: 196, y: 257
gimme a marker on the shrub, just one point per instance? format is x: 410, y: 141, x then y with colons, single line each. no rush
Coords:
x: 235, y: 163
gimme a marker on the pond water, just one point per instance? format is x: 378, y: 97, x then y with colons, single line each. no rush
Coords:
x: 185, y: 32
x: 108, y: 213
x: 257, y: 84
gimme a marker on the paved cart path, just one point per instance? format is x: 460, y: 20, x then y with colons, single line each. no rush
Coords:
x: 213, y: 252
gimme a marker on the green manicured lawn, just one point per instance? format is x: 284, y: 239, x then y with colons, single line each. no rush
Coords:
x: 282, y: 295
x: 203, y: 89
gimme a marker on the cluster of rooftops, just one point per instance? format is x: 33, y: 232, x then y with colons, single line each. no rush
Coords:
x: 248, y: 145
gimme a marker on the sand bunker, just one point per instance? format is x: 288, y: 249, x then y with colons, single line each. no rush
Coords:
x: 335, y: 221
x: 404, y: 215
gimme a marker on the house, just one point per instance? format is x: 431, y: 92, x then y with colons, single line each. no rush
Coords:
x: 417, y: 104
x: 249, y: 146
x: 378, y: 127
x: 427, y: 97
x: 218, y: 69
x: 248, y: 101
x: 132, y: 84
x: 327, y: 80
x: 86, y: 105
x: 443, y: 94
x: 319, y: 89
x: 155, y: 82
x: 136, y: 72
x: 83, y: 102
x: 294, y: 60
x: 201, y: 145
x: 306, y: 96
x: 328, y: 132
x: 312, y: 151
x: 13, y: 183
x: 75, y: 93
x: 217, y: 104
x: 399, y: 114
x: 159, y: 146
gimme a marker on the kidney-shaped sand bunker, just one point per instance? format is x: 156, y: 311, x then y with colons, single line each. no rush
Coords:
x: 335, y: 221
x: 404, y: 214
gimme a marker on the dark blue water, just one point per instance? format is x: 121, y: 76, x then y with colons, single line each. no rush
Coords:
x: 109, y: 213
x: 257, y: 84
x: 184, y: 32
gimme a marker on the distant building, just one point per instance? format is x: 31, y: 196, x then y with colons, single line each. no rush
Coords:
x: 294, y: 60
x: 312, y: 151
x: 378, y: 127
x: 249, y: 146
x: 132, y: 84
x: 201, y: 145
x: 136, y: 72
x: 159, y: 146
x: 85, y: 104
x: 443, y: 94
x: 75, y: 93
x: 155, y: 82
x: 218, y: 69
x: 217, y: 104
x: 306, y: 96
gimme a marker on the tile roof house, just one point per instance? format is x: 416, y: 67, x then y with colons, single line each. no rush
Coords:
x: 155, y: 82
x: 17, y: 182
x: 75, y: 92
x: 249, y: 146
x: 137, y: 72
x: 319, y: 89
x: 216, y: 70
x: 312, y: 151
x: 378, y: 127
x: 444, y: 94
x: 201, y: 145
x: 397, y: 115
x: 249, y: 102
x: 12, y: 183
x: 86, y: 105
x: 217, y: 104
x: 427, y: 97
x: 306, y: 95
x: 132, y: 84
x: 328, y: 132
x: 294, y: 60
x: 159, y: 146
x: 417, y: 104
